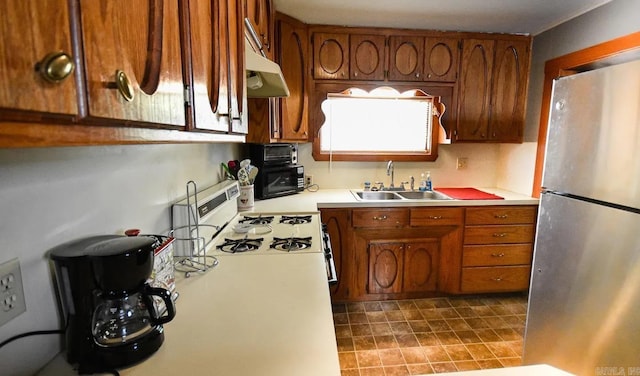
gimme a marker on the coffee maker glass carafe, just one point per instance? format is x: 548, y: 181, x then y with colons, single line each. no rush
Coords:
x: 118, y: 320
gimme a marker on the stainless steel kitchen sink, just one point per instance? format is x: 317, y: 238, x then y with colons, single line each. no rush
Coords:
x: 398, y: 195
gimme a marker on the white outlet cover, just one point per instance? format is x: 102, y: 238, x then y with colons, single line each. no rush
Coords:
x: 12, y: 302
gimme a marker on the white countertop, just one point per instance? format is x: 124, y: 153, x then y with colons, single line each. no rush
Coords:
x: 250, y: 315
x: 343, y: 198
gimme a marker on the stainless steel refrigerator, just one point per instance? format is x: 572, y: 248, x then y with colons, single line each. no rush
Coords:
x: 584, y: 298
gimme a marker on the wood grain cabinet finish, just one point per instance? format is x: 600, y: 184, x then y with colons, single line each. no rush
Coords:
x: 380, y: 217
x: 421, y: 264
x: 29, y: 32
x: 338, y: 225
x: 367, y: 57
x: 132, y: 61
x: 292, y: 55
x: 441, y: 59
x: 331, y: 56
x: 406, y: 58
x: 385, y: 268
x: 217, y: 63
x: 498, y: 248
x: 492, y: 90
x: 428, y: 216
x: 261, y: 14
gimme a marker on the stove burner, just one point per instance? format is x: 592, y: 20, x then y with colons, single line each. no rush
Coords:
x: 295, y: 219
x: 291, y: 244
x: 240, y: 245
x: 259, y: 220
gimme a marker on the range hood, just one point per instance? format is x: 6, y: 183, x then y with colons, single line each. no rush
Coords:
x: 264, y: 77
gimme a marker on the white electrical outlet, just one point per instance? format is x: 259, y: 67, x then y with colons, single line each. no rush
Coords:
x: 12, y: 301
x: 462, y: 163
x: 308, y: 180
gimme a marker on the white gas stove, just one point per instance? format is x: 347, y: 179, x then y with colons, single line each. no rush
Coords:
x: 207, y: 226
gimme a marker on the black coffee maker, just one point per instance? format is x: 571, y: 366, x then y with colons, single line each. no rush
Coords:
x: 108, y: 306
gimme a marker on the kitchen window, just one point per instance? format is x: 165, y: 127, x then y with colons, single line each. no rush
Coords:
x: 377, y: 125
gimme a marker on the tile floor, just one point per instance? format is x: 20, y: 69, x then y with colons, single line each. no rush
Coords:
x: 422, y: 336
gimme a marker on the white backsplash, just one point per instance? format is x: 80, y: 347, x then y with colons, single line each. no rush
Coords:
x: 481, y: 171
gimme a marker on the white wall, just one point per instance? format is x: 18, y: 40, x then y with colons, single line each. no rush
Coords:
x: 481, y: 171
x: 49, y: 196
x: 610, y: 21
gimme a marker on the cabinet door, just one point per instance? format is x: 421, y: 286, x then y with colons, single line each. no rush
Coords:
x: 406, y: 57
x: 367, y: 57
x: 474, y: 93
x: 29, y: 31
x: 421, y: 261
x: 441, y: 57
x: 385, y: 267
x: 338, y: 226
x: 261, y: 13
x: 292, y: 55
x: 509, y: 90
x: 330, y: 56
x: 132, y: 58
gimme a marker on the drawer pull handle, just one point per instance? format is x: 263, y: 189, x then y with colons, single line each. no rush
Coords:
x: 497, y: 254
x: 435, y: 217
x: 501, y: 216
x: 497, y: 279
x: 499, y: 235
x: 381, y: 218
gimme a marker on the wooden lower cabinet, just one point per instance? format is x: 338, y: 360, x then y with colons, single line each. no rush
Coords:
x: 495, y: 279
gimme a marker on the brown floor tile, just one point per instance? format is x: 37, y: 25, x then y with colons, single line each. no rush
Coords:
x: 458, y: 352
x: 378, y: 316
x: 358, y: 318
x: 373, y: 371
x: 347, y: 360
x: 361, y: 330
x: 425, y: 336
x: 436, y: 354
x: 391, y: 357
x: 381, y: 329
x: 396, y: 371
x: 420, y: 369
x: 364, y: 343
x: 368, y: 358
x: 345, y: 344
x: 427, y: 339
x: 444, y: 367
x: 407, y: 340
x: 386, y: 342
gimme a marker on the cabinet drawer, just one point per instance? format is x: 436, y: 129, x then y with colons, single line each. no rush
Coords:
x: 495, y: 279
x: 495, y: 215
x: 436, y: 216
x: 498, y: 234
x: 382, y: 217
x: 494, y: 255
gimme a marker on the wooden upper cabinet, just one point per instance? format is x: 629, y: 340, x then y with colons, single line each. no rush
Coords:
x: 331, y: 56
x: 509, y: 90
x: 367, y: 57
x: 406, y: 58
x: 474, y: 96
x: 132, y: 57
x: 217, y: 64
x: 492, y: 90
x: 29, y: 32
x: 441, y: 59
x: 292, y: 55
x: 261, y: 15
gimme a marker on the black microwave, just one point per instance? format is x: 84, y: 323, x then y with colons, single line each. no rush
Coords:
x: 275, y: 181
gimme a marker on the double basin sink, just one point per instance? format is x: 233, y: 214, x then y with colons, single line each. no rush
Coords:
x: 399, y: 195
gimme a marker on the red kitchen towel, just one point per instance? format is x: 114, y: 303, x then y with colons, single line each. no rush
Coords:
x: 468, y: 194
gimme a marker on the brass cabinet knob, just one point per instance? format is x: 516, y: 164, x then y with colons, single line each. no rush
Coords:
x: 124, y: 85
x: 55, y: 67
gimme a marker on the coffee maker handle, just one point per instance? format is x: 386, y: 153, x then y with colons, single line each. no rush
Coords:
x: 168, y: 302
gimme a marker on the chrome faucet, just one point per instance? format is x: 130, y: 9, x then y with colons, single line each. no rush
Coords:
x: 390, y: 173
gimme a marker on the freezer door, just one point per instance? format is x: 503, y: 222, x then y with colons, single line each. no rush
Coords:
x: 584, y: 298
x: 593, y: 145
